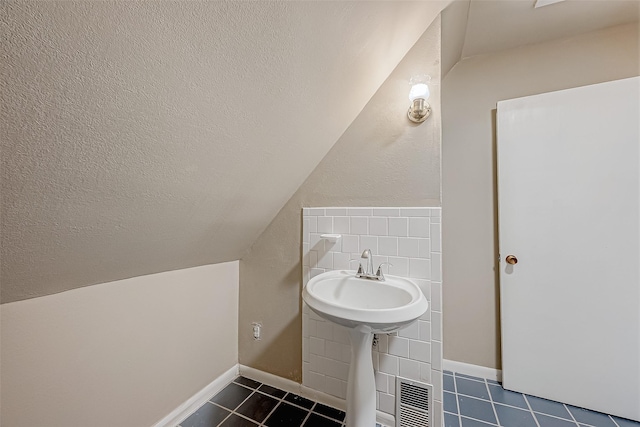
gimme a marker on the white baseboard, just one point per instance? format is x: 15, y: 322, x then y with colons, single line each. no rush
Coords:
x: 190, y: 406
x: 309, y: 393
x: 474, y: 370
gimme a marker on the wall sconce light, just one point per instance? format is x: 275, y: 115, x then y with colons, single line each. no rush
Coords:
x: 419, y: 93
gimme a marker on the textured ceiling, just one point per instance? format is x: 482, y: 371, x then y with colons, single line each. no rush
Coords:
x: 140, y: 137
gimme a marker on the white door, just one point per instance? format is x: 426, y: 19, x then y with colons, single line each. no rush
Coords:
x: 569, y: 195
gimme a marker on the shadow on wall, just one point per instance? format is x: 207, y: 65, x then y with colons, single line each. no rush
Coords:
x: 280, y: 345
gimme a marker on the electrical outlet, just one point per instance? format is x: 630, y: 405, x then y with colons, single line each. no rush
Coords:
x: 257, y: 330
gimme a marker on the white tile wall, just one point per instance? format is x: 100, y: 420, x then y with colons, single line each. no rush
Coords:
x: 408, y: 238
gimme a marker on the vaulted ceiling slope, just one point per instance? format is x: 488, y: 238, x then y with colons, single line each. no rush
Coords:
x: 140, y: 137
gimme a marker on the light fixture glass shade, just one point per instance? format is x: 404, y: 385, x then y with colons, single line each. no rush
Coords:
x: 420, y: 90
x: 419, y: 87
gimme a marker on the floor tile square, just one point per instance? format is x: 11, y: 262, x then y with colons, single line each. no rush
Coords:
x: 476, y: 408
x: 286, y: 415
x: 451, y: 420
x: 330, y: 412
x: 257, y: 407
x: 547, y: 421
x: 275, y: 392
x: 236, y: 421
x: 585, y: 416
x: 623, y: 422
x: 208, y: 415
x: 448, y: 384
x: 469, y: 422
x: 299, y: 400
x: 548, y: 407
x: 512, y: 417
x: 247, y: 381
x: 450, y: 402
x: 315, y: 420
x: 498, y: 394
x: 231, y: 396
x: 472, y: 388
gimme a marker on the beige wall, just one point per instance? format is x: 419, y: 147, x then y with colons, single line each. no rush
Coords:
x: 470, y: 92
x: 381, y: 160
x: 123, y: 353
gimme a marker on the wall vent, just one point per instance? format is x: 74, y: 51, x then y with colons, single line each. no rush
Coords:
x: 413, y: 403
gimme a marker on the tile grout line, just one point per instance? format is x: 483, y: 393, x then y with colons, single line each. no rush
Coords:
x: 225, y: 418
x: 493, y: 406
x: 564, y: 405
x: 535, y: 419
x: 455, y: 390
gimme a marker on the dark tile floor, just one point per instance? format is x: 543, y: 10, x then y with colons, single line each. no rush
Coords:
x: 468, y: 402
x: 248, y: 403
x: 476, y: 402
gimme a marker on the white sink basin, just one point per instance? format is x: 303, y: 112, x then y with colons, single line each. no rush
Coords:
x: 369, y: 305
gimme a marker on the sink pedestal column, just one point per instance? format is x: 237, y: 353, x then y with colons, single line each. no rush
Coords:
x: 361, y: 386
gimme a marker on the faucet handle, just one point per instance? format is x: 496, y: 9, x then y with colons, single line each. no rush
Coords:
x: 379, y: 274
x: 360, y: 269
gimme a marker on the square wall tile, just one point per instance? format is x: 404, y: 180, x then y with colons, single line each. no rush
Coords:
x: 409, y: 369
x: 359, y: 225
x: 399, y: 227
x: 341, y: 225
x: 411, y: 331
x: 419, y: 227
x: 378, y: 226
x: 399, y: 266
x: 341, y: 261
x: 388, y: 246
x: 388, y: 364
x: 420, y: 351
x: 408, y: 247
x: 325, y: 224
x: 399, y: 346
x: 369, y: 242
x: 350, y: 244
x: 420, y: 268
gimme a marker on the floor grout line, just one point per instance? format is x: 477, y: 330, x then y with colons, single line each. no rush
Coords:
x: 493, y: 406
x: 526, y: 401
x: 564, y: 405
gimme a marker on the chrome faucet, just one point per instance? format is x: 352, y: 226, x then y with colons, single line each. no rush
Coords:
x: 368, y: 273
x: 369, y: 257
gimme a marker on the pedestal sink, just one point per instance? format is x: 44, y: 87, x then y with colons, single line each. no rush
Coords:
x: 365, y: 307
